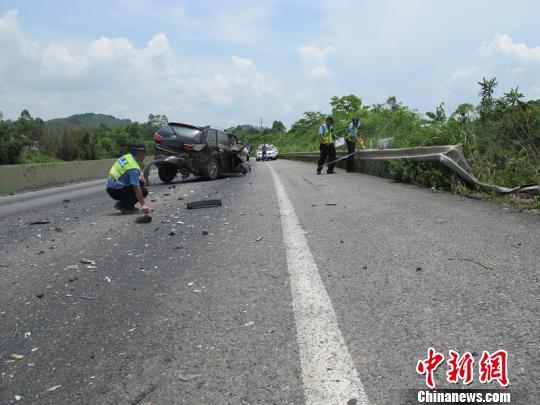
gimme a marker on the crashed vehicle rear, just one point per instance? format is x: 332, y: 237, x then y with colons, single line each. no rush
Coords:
x: 202, y: 151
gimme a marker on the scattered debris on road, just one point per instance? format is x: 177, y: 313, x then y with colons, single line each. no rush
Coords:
x: 331, y: 204
x: 259, y: 238
x: 148, y: 390
x: 203, y: 204
x: 84, y: 297
x: 54, y: 388
x: 143, y: 219
x: 471, y: 261
x: 16, y: 356
x: 39, y: 223
x: 87, y: 261
x: 249, y: 324
x: 188, y: 377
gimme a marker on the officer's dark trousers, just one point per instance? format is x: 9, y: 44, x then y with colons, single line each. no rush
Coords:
x: 126, y: 195
x: 351, y: 147
x: 328, y: 150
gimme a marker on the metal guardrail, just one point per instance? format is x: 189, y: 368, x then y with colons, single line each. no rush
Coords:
x: 450, y: 156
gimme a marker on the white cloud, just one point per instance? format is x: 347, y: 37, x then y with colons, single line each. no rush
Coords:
x: 314, y: 58
x: 513, y: 64
x: 242, y: 63
x: 112, y: 75
x: 504, y: 45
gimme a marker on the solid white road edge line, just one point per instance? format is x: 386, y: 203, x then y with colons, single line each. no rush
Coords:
x: 328, y: 372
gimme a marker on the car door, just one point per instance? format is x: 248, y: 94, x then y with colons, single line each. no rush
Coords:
x: 211, y: 141
x: 225, y: 152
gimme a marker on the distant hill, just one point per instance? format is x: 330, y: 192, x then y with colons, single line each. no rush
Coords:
x: 89, y: 120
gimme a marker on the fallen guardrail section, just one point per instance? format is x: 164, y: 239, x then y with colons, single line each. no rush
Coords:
x: 450, y: 156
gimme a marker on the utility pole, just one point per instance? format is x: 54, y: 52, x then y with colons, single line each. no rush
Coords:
x: 261, y: 127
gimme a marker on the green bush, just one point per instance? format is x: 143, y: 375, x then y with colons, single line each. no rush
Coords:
x: 37, y: 157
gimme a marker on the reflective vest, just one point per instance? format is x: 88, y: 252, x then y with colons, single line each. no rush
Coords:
x: 328, y: 133
x: 122, y: 165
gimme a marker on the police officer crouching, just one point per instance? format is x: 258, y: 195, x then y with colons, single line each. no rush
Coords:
x: 125, y: 182
x: 327, y: 147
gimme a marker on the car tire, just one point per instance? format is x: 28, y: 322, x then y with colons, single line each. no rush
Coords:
x: 211, y: 172
x: 167, y: 173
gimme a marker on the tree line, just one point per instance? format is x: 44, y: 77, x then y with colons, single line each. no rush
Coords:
x: 500, y: 136
x: 28, y: 140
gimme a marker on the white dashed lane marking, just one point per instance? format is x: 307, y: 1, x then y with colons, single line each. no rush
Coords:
x: 328, y: 372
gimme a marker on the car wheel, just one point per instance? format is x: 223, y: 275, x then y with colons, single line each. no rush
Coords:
x: 212, y: 170
x: 167, y: 173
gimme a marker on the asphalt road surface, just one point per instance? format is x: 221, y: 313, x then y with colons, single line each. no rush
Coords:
x: 299, y: 289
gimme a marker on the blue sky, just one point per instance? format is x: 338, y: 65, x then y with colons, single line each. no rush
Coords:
x: 229, y: 62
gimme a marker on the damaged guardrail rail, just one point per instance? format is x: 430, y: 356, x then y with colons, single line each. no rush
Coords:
x: 450, y: 156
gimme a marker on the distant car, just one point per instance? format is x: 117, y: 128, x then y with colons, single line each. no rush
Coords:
x: 188, y: 149
x: 271, y: 152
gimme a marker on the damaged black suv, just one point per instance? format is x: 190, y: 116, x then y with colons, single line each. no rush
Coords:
x: 202, y: 151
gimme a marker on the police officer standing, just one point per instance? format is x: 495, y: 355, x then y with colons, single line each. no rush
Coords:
x: 327, y: 147
x: 125, y: 183
x: 352, y: 138
x: 263, y: 152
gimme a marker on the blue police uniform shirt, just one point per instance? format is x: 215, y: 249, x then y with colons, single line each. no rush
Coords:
x: 322, y: 128
x: 128, y: 178
x: 352, y: 130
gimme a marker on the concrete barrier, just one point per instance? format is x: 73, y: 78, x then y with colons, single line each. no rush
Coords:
x: 15, y: 178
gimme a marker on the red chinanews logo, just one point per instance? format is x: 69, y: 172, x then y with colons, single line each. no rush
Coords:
x: 491, y: 367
